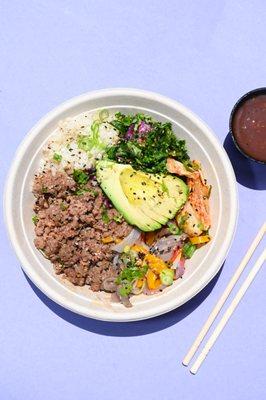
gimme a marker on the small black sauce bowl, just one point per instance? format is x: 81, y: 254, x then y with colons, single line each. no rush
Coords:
x: 245, y: 97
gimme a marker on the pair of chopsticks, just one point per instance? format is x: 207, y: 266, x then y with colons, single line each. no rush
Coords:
x: 231, y: 308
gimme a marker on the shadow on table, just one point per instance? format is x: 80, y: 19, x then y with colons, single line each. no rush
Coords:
x: 131, y: 328
x: 248, y: 173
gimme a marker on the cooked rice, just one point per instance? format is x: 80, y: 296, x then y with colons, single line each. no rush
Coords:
x: 64, y: 143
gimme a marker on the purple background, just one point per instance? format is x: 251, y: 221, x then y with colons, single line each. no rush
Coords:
x: 205, y: 54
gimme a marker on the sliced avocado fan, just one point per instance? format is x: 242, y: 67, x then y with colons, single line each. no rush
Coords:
x: 145, y: 200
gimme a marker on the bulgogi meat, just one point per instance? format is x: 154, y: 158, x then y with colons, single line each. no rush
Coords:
x: 75, y: 228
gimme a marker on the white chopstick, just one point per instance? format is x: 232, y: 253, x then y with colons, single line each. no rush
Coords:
x: 253, y: 272
x: 224, y: 296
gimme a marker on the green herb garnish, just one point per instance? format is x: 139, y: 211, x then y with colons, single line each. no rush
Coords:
x: 105, y: 216
x: 131, y: 273
x: 81, y: 191
x: 57, y: 157
x: 80, y: 177
x: 35, y: 219
x: 122, y: 122
x: 125, y: 289
x: 151, y: 152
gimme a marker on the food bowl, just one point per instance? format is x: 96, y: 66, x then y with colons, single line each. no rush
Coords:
x: 202, y: 145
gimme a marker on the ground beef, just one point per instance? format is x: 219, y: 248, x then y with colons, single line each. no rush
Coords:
x: 57, y: 184
x: 70, y: 228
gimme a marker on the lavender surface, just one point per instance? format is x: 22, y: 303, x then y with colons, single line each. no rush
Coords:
x: 205, y: 54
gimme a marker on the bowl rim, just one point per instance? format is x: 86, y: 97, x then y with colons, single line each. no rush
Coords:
x: 10, y: 180
x: 240, y: 101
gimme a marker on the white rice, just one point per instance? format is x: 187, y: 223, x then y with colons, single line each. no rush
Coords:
x: 64, y: 143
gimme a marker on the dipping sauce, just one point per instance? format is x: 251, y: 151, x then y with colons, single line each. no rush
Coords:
x: 249, y: 127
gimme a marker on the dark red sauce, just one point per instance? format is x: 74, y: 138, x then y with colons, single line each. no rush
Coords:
x: 249, y: 127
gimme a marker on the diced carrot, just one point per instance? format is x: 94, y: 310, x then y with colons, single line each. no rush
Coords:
x: 151, y: 279
x: 118, y: 240
x: 200, y: 239
x: 139, y: 249
x: 157, y: 268
x: 107, y: 239
x: 139, y: 283
x: 157, y: 283
x: 156, y: 264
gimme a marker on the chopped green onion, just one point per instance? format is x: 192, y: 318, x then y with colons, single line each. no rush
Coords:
x: 167, y: 276
x: 103, y: 115
x: 200, y: 226
x: 57, y: 157
x: 87, y: 142
x: 173, y: 228
x: 188, y: 250
x: 182, y: 220
x: 95, y: 129
x: 118, y: 218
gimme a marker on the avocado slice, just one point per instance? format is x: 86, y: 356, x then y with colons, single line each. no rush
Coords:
x: 158, y: 196
x: 108, y: 175
x: 145, y: 200
x: 139, y: 188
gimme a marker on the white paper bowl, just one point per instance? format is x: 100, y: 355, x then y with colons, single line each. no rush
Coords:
x: 202, y: 145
